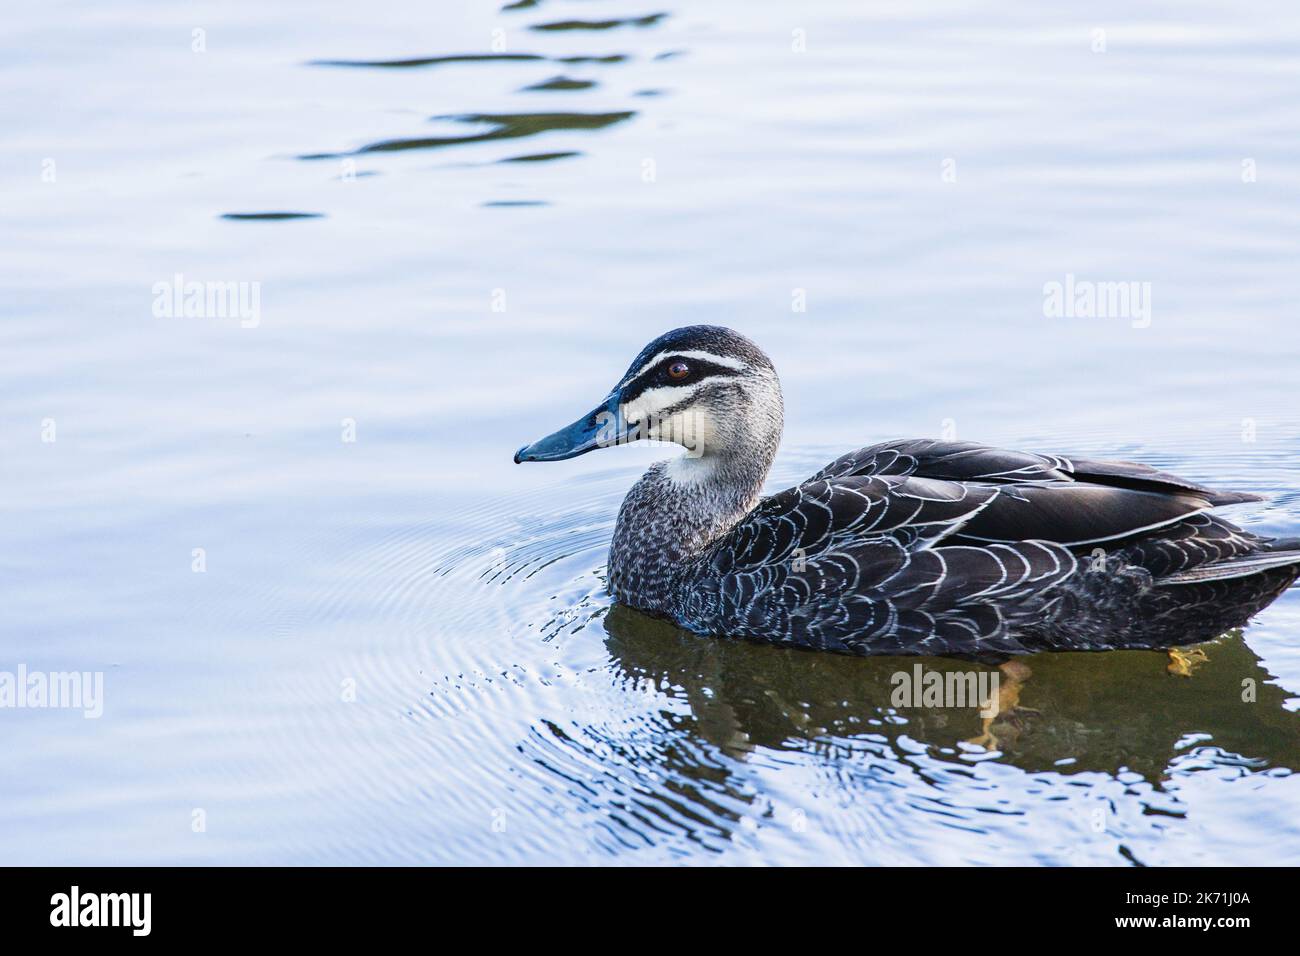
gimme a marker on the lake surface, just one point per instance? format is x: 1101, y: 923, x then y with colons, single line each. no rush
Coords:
x: 336, y: 624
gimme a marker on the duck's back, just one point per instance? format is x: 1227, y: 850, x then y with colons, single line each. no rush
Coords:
x: 953, y: 547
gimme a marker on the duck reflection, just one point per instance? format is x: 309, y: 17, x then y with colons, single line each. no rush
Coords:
x: 1075, y: 711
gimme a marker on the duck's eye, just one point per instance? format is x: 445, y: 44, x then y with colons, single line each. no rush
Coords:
x: 679, y: 370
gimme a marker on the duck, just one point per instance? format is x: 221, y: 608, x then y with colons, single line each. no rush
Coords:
x: 914, y: 546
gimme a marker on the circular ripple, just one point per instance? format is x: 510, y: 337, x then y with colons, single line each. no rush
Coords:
x: 507, y: 713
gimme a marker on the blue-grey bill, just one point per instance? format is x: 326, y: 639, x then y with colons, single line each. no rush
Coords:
x: 601, y: 426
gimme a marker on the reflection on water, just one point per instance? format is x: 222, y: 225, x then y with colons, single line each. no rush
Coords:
x: 420, y: 61
x: 269, y: 216
x: 646, y: 21
x: 399, y: 648
x: 541, y: 157
x: 1093, y: 710
x: 502, y: 127
x: 561, y: 84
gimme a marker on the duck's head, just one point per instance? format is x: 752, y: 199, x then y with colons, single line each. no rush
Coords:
x: 704, y: 387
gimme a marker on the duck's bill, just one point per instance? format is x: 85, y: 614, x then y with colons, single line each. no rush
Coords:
x: 599, y: 428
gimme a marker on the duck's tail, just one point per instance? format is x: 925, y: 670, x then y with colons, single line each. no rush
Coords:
x: 1279, y: 553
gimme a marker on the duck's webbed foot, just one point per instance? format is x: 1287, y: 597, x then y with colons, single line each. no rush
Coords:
x: 1184, y: 660
x: 1006, y: 714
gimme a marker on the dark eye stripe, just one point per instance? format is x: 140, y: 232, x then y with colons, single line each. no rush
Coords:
x: 701, y: 369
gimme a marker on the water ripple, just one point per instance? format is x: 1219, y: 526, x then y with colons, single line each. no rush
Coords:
x: 617, y: 735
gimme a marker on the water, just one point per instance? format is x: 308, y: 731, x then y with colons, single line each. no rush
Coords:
x: 400, y: 649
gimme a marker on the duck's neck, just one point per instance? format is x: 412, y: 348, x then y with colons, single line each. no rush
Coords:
x: 674, y: 513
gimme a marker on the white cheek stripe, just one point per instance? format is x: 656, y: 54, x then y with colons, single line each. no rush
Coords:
x: 724, y: 360
x: 654, y: 400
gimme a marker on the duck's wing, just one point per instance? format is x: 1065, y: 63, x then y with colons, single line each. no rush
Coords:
x: 931, y: 547
x: 969, y: 461
x: 858, y: 563
x: 1078, y: 502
